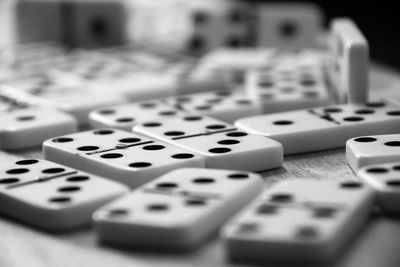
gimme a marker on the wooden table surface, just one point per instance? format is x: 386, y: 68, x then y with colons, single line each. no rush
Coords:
x: 377, y: 244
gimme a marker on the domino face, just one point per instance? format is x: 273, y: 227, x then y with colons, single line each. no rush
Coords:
x: 125, y: 157
x: 29, y: 127
x: 140, y: 85
x: 125, y: 116
x: 299, y: 220
x: 369, y: 150
x: 349, y: 67
x: 177, y: 210
x: 223, y: 146
x: 324, y: 128
x: 71, y: 99
x: 39, y: 20
x: 99, y: 23
x: 289, y: 82
x: 288, y: 25
x: 51, y: 196
x: 217, y: 24
x: 223, y: 105
x: 384, y: 178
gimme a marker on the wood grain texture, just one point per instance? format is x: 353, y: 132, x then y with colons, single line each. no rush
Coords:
x: 376, y: 245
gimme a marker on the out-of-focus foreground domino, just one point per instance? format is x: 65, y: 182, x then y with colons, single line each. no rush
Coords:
x: 288, y: 25
x: 324, y: 128
x: 299, y: 220
x: 223, y: 145
x: 368, y: 150
x: 125, y: 157
x: 179, y: 210
x: 349, y: 66
x: 384, y: 178
x: 51, y: 196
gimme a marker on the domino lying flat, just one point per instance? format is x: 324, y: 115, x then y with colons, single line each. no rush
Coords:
x: 368, y: 150
x: 384, y: 178
x: 125, y: 157
x: 223, y: 146
x: 123, y: 117
x: 29, y: 127
x: 72, y: 99
x: 24, y: 124
x: 349, y: 64
x: 178, y: 210
x: 289, y: 83
x: 51, y: 196
x: 299, y: 220
x: 223, y: 105
x: 324, y: 128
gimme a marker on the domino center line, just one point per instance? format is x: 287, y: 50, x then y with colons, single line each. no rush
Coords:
x: 119, y: 147
x: 205, y: 133
x: 183, y: 193
x: 42, y: 179
x: 324, y: 116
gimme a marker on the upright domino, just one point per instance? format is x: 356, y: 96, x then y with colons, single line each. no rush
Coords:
x: 38, y: 21
x: 217, y: 24
x: 94, y: 23
x: 370, y: 150
x: 223, y: 145
x: 324, y: 128
x: 299, y: 221
x: 51, y: 196
x: 349, y: 66
x: 7, y: 23
x: 288, y: 25
x: 179, y: 210
x: 384, y: 178
x: 125, y: 157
